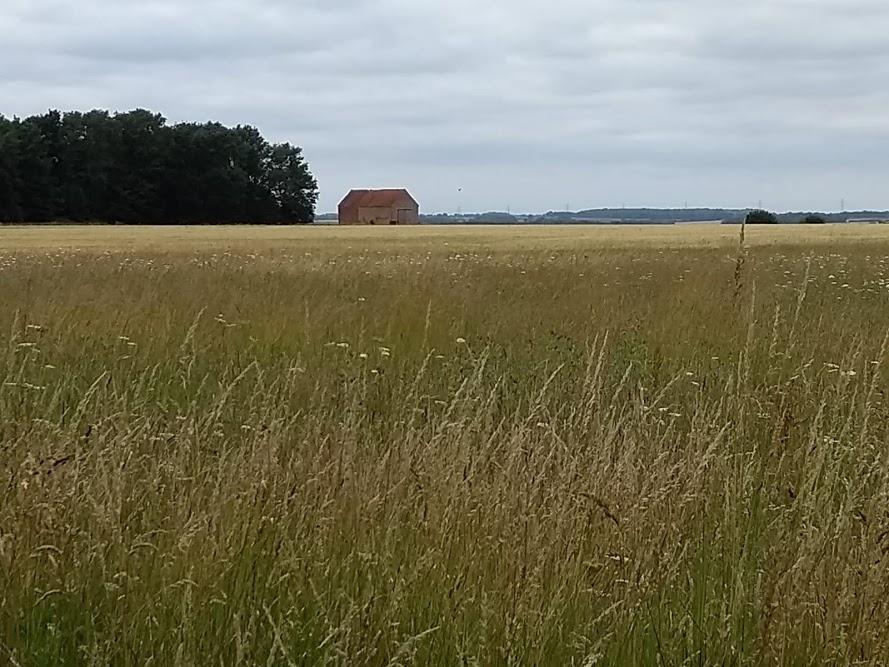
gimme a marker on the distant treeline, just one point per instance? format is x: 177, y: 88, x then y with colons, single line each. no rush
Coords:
x: 648, y: 214
x: 135, y: 168
x: 668, y: 215
x: 644, y: 216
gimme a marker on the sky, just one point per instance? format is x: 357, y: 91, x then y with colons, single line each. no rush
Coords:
x: 480, y: 105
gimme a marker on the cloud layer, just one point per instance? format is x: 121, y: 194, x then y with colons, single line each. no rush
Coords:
x: 520, y: 103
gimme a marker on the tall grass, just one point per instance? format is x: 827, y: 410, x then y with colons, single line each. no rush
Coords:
x: 392, y: 457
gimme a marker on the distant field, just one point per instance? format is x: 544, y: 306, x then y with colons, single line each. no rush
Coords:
x: 444, y: 446
x: 474, y: 236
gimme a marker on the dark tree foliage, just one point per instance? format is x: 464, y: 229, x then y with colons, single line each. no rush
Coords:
x: 813, y: 219
x: 134, y: 168
x: 762, y: 218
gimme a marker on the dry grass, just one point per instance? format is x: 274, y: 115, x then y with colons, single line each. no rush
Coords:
x: 510, y: 449
x: 476, y: 237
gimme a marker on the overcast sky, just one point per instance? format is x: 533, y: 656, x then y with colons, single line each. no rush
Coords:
x: 529, y: 104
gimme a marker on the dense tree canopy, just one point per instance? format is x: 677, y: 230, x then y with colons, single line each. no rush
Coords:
x: 760, y: 217
x: 135, y: 168
x: 814, y: 219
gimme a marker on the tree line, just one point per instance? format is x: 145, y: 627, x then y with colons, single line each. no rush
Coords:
x: 135, y: 168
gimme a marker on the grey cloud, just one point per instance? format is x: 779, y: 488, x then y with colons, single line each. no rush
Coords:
x: 517, y: 101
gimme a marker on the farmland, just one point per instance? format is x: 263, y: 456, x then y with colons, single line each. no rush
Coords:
x: 438, y: 446
x: 432, y: 238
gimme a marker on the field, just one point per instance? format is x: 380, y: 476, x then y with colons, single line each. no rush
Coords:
x: 440, y: 446
x: 333, y: 239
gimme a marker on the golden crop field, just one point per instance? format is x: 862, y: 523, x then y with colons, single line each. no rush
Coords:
x: 440, y: 446
x: 530, y: 237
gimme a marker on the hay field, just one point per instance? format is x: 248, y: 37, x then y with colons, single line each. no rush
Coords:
x: 500, y: 237
x: 528, y: 446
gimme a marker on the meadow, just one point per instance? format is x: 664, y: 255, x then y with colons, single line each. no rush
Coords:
x: 439, y: 446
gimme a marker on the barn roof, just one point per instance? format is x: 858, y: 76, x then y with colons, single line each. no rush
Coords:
x: 373, y: 198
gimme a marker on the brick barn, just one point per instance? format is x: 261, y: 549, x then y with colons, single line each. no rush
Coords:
x: 379, y: 207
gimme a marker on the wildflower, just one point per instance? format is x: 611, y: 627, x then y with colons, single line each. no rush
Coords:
x: 461, y: 341
x: 363, y: 355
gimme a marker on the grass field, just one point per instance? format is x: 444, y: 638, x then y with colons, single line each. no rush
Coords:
x: 439, y: 446
x: 444, y: 237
